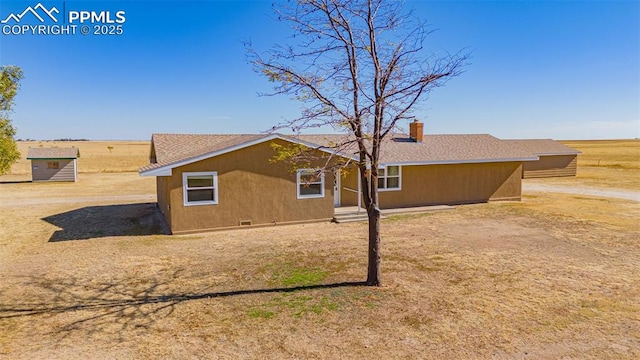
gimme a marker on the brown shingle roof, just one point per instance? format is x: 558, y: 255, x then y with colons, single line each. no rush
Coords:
x: 181, y: 146
x: 171, y: 149
x: 545, y: 147
x: 52, y: 153
x: 433, y: 149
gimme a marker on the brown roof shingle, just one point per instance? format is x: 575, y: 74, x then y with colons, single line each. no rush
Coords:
x: 52, y: 153
x: 178, y: 148
x: 401, y: 149
x: 172, y: 148
x: 545, y: 147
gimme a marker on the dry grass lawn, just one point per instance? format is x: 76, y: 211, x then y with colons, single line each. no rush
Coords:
x: 88, y: 185
x: 554, y: 276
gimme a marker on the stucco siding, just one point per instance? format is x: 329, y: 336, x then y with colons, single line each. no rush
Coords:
x: 162, y: 188
x: 551, y: 166
x: 449, y: 184
x: 66, y: 170
x: 251, y: 188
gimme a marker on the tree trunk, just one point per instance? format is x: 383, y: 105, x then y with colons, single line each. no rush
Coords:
x: 373, y: 269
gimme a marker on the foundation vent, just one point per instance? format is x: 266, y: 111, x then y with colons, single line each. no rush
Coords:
x: 245, y: 222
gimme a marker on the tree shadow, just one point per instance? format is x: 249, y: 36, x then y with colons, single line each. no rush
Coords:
x: 15, y: 181
x: 108, y: 220
x: 117, y: 305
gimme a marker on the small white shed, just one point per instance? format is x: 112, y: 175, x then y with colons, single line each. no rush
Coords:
x: 54, y: 164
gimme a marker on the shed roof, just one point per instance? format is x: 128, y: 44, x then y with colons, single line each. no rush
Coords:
x: 52, y: 153
x: 545, y: 147
x: 173, y: 150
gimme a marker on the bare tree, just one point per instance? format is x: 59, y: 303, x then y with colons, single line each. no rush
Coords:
x: 358, y: 66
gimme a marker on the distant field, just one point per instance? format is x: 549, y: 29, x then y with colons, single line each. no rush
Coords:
x: 95, y: 156
x: 614, y: 154
x: 605, y: 163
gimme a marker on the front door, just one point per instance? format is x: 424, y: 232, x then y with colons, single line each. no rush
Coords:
x: 336, y: 188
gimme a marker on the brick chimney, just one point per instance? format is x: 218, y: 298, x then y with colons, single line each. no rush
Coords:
x: 415, y: 131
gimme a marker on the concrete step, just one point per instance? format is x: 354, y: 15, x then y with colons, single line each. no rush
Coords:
x: 417, y: 209
x: 362, y: 216
x: 350, y: 217
x: 344, y: 221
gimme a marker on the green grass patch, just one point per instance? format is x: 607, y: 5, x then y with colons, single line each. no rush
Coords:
x: 303, y: 277
x: 295, y: 299
x: 408, y: 216
x: 295, y: 304
x: 260, y: 313
x: 288, y: 275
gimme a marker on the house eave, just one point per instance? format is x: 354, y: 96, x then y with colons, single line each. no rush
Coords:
x: 451, y: 162
x: 52, y: 158
x: 559, y: 153
x: 161, y: 171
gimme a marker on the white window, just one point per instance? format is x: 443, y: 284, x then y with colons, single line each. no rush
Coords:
x: 389, y: 178
x: 310, y: 184
x: 200, y: 188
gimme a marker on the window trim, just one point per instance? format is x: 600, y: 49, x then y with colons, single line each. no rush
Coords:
x: 298, y: 184
x: 53, y: 165
x: 185, y: 188
x: 386, y: 177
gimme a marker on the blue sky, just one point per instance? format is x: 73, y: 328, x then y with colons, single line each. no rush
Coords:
x: 540, y: 69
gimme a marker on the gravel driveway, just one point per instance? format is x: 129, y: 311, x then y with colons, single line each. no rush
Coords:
x: 583, y: 190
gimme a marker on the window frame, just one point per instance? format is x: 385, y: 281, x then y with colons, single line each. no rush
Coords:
x: 53, y: 165
x: 386, y: 178
x: 299, y: 184
x: 185, y: 188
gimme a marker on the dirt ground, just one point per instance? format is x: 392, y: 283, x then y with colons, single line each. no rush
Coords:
x: 554, y: 276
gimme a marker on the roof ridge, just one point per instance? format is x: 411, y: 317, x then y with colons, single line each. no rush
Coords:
x: 221, y: 134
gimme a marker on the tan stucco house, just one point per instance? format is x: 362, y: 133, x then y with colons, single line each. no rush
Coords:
x: 207, y: 182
